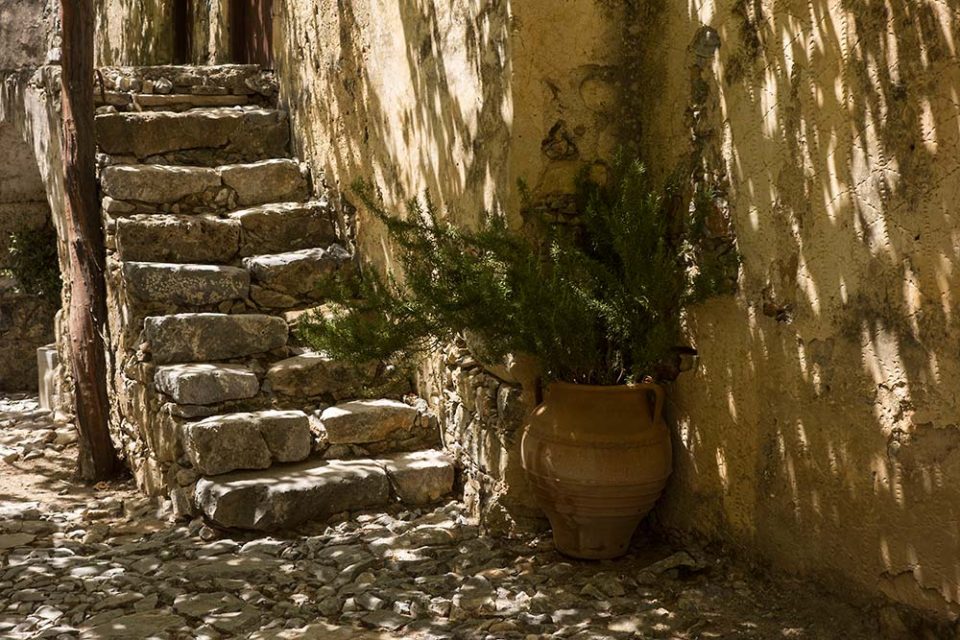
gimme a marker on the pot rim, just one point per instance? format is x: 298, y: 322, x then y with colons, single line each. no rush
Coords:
x: 605, y: 388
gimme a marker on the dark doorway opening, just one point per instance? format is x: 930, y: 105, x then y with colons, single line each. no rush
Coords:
x: 182, y: 31
x: 251, y: 28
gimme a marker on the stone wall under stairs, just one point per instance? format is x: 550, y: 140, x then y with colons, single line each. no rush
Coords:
x: 216, y: 245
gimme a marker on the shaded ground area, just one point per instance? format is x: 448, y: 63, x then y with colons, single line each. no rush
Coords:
x: 104, y: 562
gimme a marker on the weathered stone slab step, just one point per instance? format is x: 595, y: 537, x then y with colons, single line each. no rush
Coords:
x: 316, y: 375
x: 255, y: 440
x: 225, y: 79
x: 283, y: 280
x: 284, y: 497
x: 185, y: 284
x: 286, y: 226
x: 203, y: 384
x: 207, y: 337
x: 169, y: 101
x: 250, y: 184
x: 232, y: 134
x: 200, y: 238
x: 279, y: 180
x: 157, y: 184
x: 366, y: 421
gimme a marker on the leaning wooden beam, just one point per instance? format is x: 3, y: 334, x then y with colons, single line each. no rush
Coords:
x: 84, y: 237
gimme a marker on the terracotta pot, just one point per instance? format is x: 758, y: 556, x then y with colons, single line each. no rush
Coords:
x: 597, y: 458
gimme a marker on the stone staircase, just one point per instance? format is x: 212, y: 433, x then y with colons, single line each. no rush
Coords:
x: 215, y: 248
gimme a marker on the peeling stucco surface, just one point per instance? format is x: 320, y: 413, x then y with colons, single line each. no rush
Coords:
x: 820, y: 431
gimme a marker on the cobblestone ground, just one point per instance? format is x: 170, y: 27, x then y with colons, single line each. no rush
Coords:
x: 104, y: 562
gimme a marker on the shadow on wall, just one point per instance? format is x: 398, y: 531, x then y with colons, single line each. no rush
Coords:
x: 822, y: 429
x: 26, y: 316
x: 413, y: 99
x: 134, y: 32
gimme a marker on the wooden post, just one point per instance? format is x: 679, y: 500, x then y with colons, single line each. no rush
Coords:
x: 85, y: 243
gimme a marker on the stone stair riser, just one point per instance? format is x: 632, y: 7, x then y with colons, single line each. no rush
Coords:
x: 175, y: 102
x: 208, y: 337
x: 207, y: 137
x: 282, y: 281
x: 201, y: 238
x: 285, y: 497
x: 236, y: 79
x: 225, y: 443
x: 185, y: 284
x: 206, y: 383
x: 223, y: 239
x: 151, y: 188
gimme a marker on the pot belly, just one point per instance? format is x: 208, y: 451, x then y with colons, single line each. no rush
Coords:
x: 595, y: 494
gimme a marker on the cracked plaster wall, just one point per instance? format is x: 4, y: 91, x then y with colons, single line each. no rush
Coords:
x: 820, y: 432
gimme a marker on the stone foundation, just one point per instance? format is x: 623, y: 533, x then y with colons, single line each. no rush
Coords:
x: 482, y: 418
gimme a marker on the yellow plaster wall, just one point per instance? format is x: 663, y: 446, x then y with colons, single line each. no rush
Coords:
x: 821, y: 432
x: 454, y: 98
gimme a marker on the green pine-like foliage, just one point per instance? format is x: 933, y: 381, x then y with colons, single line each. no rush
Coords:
x: 597, y: 302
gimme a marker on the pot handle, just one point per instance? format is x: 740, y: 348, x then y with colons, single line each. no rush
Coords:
x: 657, y: 391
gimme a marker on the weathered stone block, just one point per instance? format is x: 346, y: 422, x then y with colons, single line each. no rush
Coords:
x: 281, y: 498
x: 268, y: 181
x: 204, y: 337
x: 156, y: 184
x: 185, y: 284
x: 206, y: 383
x: 420, y: 477
x: 245, y: 134
x: 217, y: 445
x: 177, y: 238
x: 303, y: 274
x: 247, y: 440
x: 274, y: 228
x: 314, y: 374
x: 365, y: 421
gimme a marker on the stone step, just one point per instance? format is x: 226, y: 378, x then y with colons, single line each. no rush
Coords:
x: 280, y: 180
x: 285, y: 226
x: 225, y: 79
x: 203, y: 384
x: 198, y: 238
x: 316, y: 375
x: 168, y: 102
x: 207, y: 337
x: 283, y: 497
x: 185, y: 284
x: 284, y: 280
x: 367, y: 421
x: 212, y: 188
x: 158, y: 184
x: 255, y: 440
x: 207, y: 137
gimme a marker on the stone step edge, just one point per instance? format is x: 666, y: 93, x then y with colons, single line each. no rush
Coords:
x: 114, y: 182
x: 285, y: 496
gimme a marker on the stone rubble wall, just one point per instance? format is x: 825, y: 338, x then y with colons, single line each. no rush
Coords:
x: 483, y: 418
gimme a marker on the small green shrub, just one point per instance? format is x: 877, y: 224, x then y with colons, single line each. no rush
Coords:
x: 34, y: 262
x: 598, y: 301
